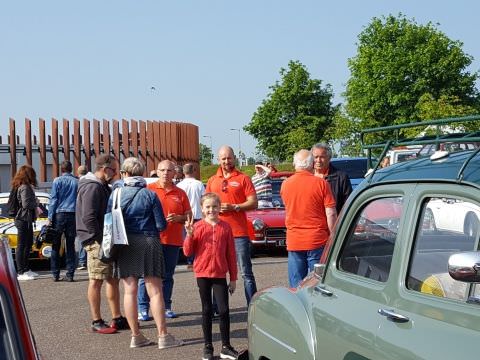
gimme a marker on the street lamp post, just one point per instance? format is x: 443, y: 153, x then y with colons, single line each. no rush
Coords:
x: 211, y: 147
x: 239, y: 148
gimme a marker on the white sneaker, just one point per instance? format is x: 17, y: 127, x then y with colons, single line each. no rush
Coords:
x: 25, y: 277
x: 32, y: 274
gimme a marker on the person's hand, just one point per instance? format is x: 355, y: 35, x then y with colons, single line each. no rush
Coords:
x: 232, y: 286
x: 189, y: 226
x: 174, y: 218
x: 226, y: 207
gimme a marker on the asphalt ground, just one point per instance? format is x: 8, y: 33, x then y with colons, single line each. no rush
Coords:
x: 60, y: 319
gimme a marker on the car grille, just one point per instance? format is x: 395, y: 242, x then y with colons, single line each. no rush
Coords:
x: 275, y: 233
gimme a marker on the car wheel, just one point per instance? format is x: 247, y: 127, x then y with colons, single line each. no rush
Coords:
x: 470, y: 227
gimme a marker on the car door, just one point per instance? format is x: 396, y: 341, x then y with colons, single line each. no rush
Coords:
x: 441, y: 315
x: 344, y: 308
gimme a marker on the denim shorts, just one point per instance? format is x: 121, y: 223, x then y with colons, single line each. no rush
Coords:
x: 97, y: 269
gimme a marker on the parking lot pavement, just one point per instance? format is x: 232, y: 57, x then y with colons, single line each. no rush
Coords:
x: 60, y: 319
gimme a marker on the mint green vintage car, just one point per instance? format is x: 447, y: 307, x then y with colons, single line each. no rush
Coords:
x: 399, y: 278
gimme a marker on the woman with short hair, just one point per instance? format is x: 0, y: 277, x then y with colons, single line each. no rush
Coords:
x: 143, y: 257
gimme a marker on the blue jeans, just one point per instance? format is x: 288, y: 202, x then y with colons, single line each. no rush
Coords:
x: 143, y: 300
x: 170, y: 256
x: 300, y: 263
x: 64, y: 223
x: 242, y: 248
x: 82, y: 257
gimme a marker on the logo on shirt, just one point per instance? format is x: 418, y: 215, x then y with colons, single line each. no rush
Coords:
x: 234, y: 183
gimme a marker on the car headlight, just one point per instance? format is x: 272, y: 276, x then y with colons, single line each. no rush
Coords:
x: 258, y: 224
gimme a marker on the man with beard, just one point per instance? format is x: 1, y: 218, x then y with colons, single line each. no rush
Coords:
x: 92, y: 199
x: 237, y: 195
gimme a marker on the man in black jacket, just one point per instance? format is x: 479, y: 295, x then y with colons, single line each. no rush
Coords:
x: 338, y: 180
x: 92, y: 199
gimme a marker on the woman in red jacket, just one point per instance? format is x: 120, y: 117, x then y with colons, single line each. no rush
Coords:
x: 211, y: 241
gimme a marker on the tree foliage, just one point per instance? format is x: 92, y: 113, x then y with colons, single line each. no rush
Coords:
x: 294, y: 115
x: 399, y: 66
x: 206, y: 155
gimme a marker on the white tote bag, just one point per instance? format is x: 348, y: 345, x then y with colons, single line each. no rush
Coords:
x: 114, y: 234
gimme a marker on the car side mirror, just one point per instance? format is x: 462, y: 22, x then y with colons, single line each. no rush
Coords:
x: 465, y: 266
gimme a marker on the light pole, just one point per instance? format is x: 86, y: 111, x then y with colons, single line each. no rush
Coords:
x: 211, y: 147
x: 239, y: 148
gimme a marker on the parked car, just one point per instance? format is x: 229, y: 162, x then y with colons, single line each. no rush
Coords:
x: 16, y: 340
x: 452, y: 214
x: 9, y: 231
x: 355, y: 167
x: 266, y: 225
x: 390, y: 284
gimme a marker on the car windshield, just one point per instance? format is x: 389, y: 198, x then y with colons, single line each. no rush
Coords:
x: 355, y: 168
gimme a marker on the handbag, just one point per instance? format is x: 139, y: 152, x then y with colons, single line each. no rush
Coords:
x: 114, y: 234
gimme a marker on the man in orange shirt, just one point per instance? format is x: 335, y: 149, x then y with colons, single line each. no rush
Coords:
x: 237, y: 195
x: 176, y: 208
x: 310, y: 216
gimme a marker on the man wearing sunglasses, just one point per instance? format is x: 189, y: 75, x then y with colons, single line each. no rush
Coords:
x: 92, y: 198
x: 237, y: 195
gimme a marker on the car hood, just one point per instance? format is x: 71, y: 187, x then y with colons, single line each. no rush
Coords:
x: 271, y: 216
x: 7, y: 226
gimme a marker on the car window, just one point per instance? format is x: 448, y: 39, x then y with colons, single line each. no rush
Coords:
x: 447, y: 226
x: 8, y: 338
x: 276, y: 198
x: 354, y: 168
x: 369, y: 248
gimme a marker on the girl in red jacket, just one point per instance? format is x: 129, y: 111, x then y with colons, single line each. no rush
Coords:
x: 211, y: 241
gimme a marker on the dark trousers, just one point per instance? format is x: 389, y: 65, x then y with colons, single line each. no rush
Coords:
x: 24, y: 245
x: 220, y: 290
x: 64, y: 223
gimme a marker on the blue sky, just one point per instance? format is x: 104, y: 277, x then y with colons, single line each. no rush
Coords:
x: 211, y: 62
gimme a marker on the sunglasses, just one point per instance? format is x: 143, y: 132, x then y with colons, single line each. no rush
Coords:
x: 224, y: 186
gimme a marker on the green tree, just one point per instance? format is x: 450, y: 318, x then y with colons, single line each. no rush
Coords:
x: 294, y: 115
x: 398, y: 61
x: 206, y: 155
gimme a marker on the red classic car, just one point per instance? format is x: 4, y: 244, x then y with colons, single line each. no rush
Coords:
x: 16, y: 340
x: 266, y: 225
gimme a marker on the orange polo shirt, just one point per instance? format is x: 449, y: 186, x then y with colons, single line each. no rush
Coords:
x: 174, y: 201
x: 306, y: 196
x: 236, y: 190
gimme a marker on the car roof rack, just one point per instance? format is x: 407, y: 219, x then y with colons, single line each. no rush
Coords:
x: 439, y: 137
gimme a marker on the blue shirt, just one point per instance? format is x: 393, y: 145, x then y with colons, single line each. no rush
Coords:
x: 64, y: 195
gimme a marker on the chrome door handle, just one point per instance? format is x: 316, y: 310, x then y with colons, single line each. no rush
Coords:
x: 322, y: 290
x: 393, y: 316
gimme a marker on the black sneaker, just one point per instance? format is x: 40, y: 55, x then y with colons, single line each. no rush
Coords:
x: 100, y: 327
x: 208, y: 352
x: 228, y: 352
x: 119, y: 323
x: 215, y: 315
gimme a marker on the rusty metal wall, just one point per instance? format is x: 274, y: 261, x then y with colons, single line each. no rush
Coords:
x: 151, y: 141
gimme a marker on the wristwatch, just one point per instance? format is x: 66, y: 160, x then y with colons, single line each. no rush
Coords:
x: 237, y: 207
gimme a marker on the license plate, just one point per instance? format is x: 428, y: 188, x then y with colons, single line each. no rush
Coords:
x: 281, y: 242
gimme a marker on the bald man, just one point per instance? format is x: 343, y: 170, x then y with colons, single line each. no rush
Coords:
x: 237, y: 195
x: 310, y: 216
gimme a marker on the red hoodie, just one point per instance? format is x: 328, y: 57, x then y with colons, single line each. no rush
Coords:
x: 214, y: 250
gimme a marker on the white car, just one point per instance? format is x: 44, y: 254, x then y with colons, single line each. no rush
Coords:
x: 448, y: 214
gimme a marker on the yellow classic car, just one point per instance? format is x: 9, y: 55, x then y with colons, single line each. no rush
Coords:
x: 9, y: 231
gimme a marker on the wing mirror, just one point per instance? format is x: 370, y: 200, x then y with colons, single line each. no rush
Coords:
x: 465, y: 266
